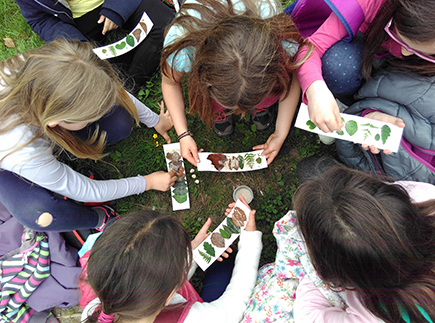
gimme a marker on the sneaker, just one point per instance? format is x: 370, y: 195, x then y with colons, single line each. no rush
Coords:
x: 224, y: 126
x: 262, y: 119
x: 107, y: 216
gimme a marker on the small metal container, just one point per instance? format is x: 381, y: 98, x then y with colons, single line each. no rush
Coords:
x: 246, y: 192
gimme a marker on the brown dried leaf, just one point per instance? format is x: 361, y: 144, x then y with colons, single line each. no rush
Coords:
x: 9, y: 42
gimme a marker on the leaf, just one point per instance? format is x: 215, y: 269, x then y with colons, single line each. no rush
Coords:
x: 377, y: 137
x: 120, y: 45
x: 249, y: 158
x: 209, y: 249
x: 206, y: 257
x: 224, y: 234
x: 385, y: 133
x: 112, y: 49
x: 340, y: 132
x: 9, y: 42
x: 130, y: 40
x: 351, y: 127
x: 180, y: 198
x: 369, y: 125
x: 241, y: 161
x: 311, y: 124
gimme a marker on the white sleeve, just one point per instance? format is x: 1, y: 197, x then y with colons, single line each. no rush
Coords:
x: 36, y: 163
x: 146, y: 115
x: 231, y: 305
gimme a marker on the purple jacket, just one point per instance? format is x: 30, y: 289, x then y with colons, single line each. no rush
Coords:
x: 50, y: 19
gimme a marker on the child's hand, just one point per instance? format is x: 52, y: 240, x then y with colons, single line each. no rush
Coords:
x: 165, y: 123
x: 202, y: 235
x: 189, y: 150
x: 271, y: 147
x: 108, y: 24
x: 322, y: 107
x: 377, y: 115
x: 250, y: 226
x: 160, y: 181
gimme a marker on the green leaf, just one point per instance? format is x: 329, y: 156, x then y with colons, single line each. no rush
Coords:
x: 180, y: 198
x: 377, y: 137
x: 369, y: 125
x: 130, y: 40
x: 234, y: 228
x: 311, y: 124
x: 224, y: 234
x: 385, y: 133
x: 340, y: 132
x: 206, y: 257
x: 121, y: 45
x: 112, y: 49
x: 351, y: 127
x: 241, y: 161
x: 209, y: 249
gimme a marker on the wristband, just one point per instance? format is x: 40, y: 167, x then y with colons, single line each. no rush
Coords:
x: 185, y: 134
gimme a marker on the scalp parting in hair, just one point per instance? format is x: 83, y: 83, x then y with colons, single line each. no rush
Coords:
x: 137, y: 263
x: 61, y: 81
x: 366, y: 235
x: 240, y: 58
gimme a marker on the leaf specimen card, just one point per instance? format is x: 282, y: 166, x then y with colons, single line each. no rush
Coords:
x: 222, y: 237
x: 361, y: 130
x: 128, y: 42
x: 237, y: 162
x: 180, y: 191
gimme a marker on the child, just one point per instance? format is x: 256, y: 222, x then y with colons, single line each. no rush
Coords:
x: 240, y: 56
x: 361, y: 249
x: 372, y: 240
x: 62, y: 94
x: 397, y: 27
x: 91, y: 21
x: 139, y: 265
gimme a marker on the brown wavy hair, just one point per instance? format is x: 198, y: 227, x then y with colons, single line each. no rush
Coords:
x: 366, y: 235
x: 137, y: 263
x: 414, y: 19
x: 240, y: 59
x: 60, y: 81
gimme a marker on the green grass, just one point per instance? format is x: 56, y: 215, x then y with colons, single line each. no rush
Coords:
x: 273, y: 187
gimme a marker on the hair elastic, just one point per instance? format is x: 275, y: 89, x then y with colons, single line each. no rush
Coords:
x: 185, y: 134
x: 105, y: 318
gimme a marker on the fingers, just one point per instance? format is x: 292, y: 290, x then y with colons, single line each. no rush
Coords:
x: 101, y: 19
x: 225, y: 254
x: 251, y: 226
x: 166, y: 137
x: 260, y: 147
x: 205, y: 227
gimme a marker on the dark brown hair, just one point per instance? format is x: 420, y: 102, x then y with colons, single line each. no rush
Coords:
x: 367, y: 235
x: 414, y: 19
x: 240, y: 59
x: 136, y: 264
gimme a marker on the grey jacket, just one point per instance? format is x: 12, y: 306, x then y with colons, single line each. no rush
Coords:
x: 405, y: 96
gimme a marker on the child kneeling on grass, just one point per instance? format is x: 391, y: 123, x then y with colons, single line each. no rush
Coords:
x: 140, y: 266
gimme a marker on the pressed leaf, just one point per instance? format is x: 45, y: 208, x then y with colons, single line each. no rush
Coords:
x: 351, y: 127
x: 209, y: 249
x: 385, y: 133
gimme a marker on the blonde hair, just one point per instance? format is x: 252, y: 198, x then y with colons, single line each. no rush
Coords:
x: 61, y: 81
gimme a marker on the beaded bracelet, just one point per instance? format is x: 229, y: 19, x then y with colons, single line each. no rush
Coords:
x: 185, y: 134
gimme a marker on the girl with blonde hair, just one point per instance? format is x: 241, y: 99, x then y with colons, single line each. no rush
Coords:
x: 62, y: 94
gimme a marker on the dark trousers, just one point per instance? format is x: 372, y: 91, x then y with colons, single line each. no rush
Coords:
x: 142, y: 62
x: 26, y: 201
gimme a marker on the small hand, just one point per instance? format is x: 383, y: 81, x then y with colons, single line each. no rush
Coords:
x: 202, y: 235
x: 108, y: 24
x: 189, y: 150
x: 250, y: 226
x: 160, y: 181
x: 377, y: 115
x: 322, y: 107
x: 165, y: 122
x: 271, y: 147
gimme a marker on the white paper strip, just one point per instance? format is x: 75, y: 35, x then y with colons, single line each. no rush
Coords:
x: 129, y: 42
x: 180, y: 190
x: 235, y: 162
x: 222, y: 237
x: 357, y: 129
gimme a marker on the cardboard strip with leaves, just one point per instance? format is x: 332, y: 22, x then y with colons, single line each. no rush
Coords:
x: 180, y: 190
x: 357, y: 129
x: 234, y: 162
x: 222, y: 237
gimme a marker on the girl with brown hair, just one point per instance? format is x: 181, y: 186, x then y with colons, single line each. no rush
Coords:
x: 373, y: 241
x: 63, y: 95
x: 240, y: 59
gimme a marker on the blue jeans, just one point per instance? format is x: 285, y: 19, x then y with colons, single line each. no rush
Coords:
x: 26, y: 201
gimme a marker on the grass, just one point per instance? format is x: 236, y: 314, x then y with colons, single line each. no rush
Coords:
x: 273, y: 187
